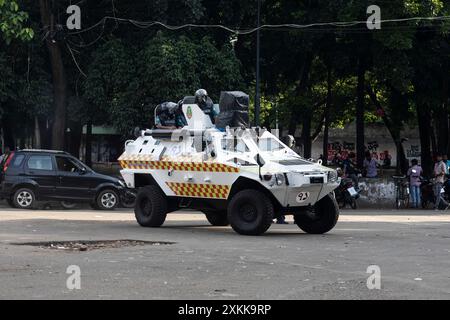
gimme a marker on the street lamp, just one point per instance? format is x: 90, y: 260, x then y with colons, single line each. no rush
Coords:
x: 257, y: 89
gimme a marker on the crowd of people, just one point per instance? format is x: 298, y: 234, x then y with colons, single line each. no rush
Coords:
x: 370, y: 169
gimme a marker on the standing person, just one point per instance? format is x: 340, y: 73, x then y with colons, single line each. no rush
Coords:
x: 440, y: 169
x: 447, y: 163
x: 370, y: 166
x: 387, y: 162
x: 414, y: 174
x: 5, y: 155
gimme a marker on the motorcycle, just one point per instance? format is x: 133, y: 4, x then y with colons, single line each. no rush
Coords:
x: 427, y: 193
x: 347, y: 194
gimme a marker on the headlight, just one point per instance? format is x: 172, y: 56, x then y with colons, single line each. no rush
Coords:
x: 279, y: 179
x: 332, y: 176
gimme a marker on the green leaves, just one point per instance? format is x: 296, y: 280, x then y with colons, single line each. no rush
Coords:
x: 124, y: 83
x: 12, y: 22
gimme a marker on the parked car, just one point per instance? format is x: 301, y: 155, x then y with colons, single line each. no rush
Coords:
x: 28, y: 176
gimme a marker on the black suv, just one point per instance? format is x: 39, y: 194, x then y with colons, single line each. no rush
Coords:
x: 28, y: 176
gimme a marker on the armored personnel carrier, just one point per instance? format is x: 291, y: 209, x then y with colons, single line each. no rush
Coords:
x: 241, y: 176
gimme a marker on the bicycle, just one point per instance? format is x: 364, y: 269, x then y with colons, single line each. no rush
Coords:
x: 401, y: 192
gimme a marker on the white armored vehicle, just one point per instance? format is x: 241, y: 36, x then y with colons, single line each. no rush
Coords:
x: 243, y: 177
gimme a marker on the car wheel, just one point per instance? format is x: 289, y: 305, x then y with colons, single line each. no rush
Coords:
x: 24, y: 198
x: 250, y: 212
x: 151, y: 207
x: 68, y: 205
x: 107, y: 200
x: 321, y: 218
x: 217, y: 218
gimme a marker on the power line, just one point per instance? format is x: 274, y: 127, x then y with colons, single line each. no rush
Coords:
x: 341, y: 24
x: 75, y: 60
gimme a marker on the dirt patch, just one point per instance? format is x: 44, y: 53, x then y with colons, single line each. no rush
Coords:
x: 88, y: 245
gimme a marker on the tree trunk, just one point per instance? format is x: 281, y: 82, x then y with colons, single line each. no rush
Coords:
x: 8, y: 136
x: 395, y: 132
x: 88, y: 155
x: 434, y: 146
x: 360, y: 109
x: 58, y: 75
x: 76, y: 136
x: 442, y: 129
x: 301, y: 90
x: 37, y: 134
x: 306, y: 135
x: 327, y: 117
x: 424, y: 121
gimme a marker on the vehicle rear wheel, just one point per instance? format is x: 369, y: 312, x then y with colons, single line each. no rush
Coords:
x: 321, y: 218
x: 24, y: 198
x: 250, y: 212
x: 217, y: 218
x: 68, y: 205
x: 107, y: 200
x: 151, y: 207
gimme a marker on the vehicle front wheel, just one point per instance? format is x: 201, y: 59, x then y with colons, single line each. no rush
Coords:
x: 217, y: 218
x: 107, y: 200
x: 319, y: 219
x: 250, y: 212
x: 151, y: 207
x: 24, y: 198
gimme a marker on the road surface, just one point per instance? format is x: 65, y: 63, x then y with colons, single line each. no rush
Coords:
x: 410, y: 248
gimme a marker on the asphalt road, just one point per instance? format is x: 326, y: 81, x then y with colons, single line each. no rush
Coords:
x: 411, y: 248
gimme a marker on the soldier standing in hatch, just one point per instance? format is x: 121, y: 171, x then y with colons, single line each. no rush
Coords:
x: 169, y: 117
x: 206, y: 104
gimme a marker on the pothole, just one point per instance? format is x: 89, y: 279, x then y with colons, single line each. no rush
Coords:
x: 87, y: 245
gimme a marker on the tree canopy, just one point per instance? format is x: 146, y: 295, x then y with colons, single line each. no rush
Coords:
x: 115, y: 71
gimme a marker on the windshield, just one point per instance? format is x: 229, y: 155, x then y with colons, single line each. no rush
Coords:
x: 234, y: 144
x: 270, y: 144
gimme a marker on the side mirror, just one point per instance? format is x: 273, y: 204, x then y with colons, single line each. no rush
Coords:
x: 259, y: 160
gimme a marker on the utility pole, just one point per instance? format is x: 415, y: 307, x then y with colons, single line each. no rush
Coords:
x: 257, y: 94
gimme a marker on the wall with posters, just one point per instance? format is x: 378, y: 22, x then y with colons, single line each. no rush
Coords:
x: 378, y: 142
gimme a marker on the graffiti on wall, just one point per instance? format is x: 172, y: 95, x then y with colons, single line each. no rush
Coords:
x: 413, y: 152
x: 345, y: 148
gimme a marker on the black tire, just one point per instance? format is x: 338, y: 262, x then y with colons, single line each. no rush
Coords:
x: 324, y: 218
x: 250, y: 212
x: 107, y: 199
x: 68, y: 205
x: 217, y: 218
x: 24, y: 198
x: 129, y: 202
x: 151, y: 207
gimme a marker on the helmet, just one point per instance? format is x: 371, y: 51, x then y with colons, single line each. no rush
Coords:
x: 201, y: 96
